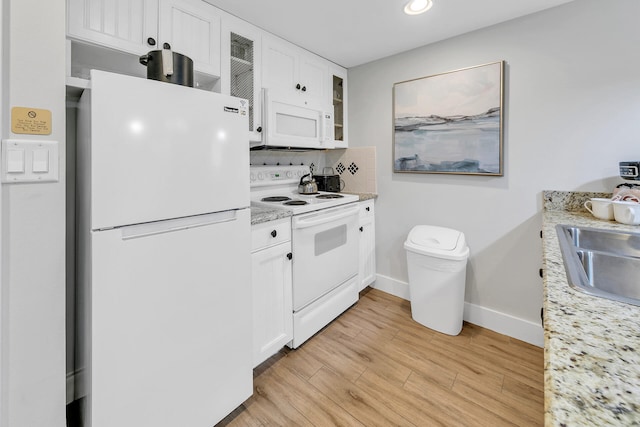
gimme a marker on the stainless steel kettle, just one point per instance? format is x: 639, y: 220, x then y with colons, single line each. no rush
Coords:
x: 307, y: 186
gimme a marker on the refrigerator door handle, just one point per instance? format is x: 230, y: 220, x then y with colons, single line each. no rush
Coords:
x: 179, y: 224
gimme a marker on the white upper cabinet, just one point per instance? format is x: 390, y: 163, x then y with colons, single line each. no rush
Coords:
x: 123, y: 24
x: 191, y: 27
x: 293, y: 73
x: 313, y: 77
x: 241, y: 68
x: 103, y: 34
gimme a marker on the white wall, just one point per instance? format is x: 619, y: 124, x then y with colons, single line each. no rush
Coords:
x: 33, y: 225
x: 571, y: 114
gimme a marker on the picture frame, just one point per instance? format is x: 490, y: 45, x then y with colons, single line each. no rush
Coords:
x: 450, y: 123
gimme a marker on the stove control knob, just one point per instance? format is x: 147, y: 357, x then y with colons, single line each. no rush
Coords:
x: 253, y: 176
x: 289, y: 174
x: 260, y: 176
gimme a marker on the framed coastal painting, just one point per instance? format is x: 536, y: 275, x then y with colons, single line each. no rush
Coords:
x: 450, y: 123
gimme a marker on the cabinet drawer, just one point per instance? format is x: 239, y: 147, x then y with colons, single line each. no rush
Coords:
x: 366, y: 208
x: 270, y: 233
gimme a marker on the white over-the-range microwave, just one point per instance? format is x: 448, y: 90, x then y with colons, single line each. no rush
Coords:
x: 286, y: 123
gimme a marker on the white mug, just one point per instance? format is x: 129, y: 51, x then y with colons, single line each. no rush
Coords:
x: 600, y: 208
x: 626, y: 212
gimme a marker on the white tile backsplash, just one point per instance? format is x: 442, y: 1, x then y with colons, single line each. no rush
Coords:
x: 356, y: 166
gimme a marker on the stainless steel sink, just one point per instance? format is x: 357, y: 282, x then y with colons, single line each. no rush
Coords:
x: 602, y: 263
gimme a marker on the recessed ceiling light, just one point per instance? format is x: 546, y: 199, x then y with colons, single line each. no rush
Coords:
x: 416, y: 7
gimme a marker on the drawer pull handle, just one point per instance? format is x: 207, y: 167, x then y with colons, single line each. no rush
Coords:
x: 368, y: 208
x: 289, y: 255
x: 274, y: 233
x: 361, y: 229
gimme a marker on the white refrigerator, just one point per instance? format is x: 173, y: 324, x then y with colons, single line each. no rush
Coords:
x: 164, y: 333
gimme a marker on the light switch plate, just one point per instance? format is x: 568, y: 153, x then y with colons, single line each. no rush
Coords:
x: 39, y: 161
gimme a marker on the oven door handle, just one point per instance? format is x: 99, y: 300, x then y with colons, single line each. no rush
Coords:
x: 323, y: 218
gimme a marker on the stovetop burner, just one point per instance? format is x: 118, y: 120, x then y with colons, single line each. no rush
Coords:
x: 295, y: 203
x: 276, y: 199
x: 329, y: 196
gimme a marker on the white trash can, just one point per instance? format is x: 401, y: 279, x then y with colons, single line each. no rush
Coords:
x: 437, y: 263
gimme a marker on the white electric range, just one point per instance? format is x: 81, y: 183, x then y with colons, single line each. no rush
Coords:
x: 325, y: 247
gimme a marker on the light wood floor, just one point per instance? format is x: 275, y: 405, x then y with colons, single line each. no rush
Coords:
x: 375, y: 366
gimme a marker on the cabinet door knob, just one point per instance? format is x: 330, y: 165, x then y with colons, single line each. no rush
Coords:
x: 298, y: 86
x: 289, y: 255
x: 361, y: 229
x: 166, y: 45
x: 304, y: 88
x: 151, y: 41
x: 368, y: 208
x: 274, y: 233
x: 259, y: 129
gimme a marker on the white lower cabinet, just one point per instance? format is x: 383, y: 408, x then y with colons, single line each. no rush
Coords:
x: 271, y: 285
x: 367, y: 267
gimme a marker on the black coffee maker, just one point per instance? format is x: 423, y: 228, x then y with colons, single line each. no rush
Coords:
x: 630, y: 170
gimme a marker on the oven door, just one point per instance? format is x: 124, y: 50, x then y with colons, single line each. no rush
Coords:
x: 325, y: 252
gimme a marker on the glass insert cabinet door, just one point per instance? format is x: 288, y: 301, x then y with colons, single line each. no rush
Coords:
x: 338, y: 77
x: 338, y: 107
x: 241, y: 69
x: 241, y: 65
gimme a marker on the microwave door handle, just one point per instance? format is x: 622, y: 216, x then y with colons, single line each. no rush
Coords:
x: 324, y: 136
x: 326, y: 126
x: 265, y: 114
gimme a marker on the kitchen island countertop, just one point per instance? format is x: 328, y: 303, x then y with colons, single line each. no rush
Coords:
x: 592, y: 345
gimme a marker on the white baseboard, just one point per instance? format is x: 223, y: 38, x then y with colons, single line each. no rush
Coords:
x: 392, y: 286
x: 506, y: 324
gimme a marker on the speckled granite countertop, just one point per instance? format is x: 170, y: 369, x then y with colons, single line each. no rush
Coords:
x: 261, y: 214
x: 592, y: 345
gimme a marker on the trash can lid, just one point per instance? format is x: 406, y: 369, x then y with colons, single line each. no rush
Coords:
x: 439, y: 242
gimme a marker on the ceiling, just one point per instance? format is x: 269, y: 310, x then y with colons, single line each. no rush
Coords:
x: 354, y: 32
